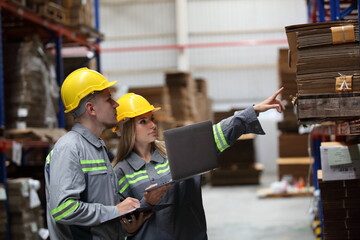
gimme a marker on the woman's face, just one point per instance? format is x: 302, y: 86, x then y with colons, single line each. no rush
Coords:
x: 145, y: 128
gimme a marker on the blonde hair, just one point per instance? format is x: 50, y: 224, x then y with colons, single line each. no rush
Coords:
x: 126, y: 142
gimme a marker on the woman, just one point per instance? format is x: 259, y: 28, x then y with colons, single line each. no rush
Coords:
x: 141, y: 162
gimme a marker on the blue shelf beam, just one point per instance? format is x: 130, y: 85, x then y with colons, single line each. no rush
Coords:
x: 321, y: 10
x: 60, y: 78
x: 97, y: 27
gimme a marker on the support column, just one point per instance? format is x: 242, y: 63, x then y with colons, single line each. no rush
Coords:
x: 182, y: 38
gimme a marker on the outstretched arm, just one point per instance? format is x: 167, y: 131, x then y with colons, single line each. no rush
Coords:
x: 270, y: 103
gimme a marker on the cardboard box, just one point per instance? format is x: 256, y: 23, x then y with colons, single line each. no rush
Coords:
x: 236, y: 177
x: 341, y: 172
x: 293, y: 145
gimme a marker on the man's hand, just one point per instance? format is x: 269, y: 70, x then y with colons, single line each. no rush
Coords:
x: 154, y: 196
x: 270, y: 103
x: 134, y: 224
x: 127, y: 205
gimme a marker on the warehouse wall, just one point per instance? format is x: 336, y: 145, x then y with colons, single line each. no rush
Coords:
x: 233, y: 45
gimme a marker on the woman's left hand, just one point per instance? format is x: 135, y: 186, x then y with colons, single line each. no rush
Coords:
x: 154, y: 196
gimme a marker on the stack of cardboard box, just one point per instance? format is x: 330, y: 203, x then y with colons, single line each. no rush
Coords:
x: 294, y: 158
x: 203, y: 103
x: 287, y: 77
x: 340, y: 208
x: 293, y: 147
x: 188, y: 98
x: 326, y: 57
x: 182, y: 89
x: 238, y: 164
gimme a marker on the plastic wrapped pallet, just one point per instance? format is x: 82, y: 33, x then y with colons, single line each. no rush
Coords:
x: 32, y: 91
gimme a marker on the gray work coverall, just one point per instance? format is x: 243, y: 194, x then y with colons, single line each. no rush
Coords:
x: 184, y: 219
x: 81, y: 189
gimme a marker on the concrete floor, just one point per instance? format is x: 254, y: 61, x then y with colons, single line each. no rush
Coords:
x: 235, y: 213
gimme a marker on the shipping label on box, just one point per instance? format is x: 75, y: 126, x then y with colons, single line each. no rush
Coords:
x: 340, y: 155
x: 338, y: 172
x: 2, y: 194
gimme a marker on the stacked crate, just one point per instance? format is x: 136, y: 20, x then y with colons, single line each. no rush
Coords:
x: 293, y: 147
x: 340, y: 207
x: 79, y: 16
x: 51, y: 11
x: 25, y: 220
x: 79, y: 12
x: 237, y: 164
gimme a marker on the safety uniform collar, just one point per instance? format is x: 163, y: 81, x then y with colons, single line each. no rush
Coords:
x: 89, y: 136
x: 136, y: 162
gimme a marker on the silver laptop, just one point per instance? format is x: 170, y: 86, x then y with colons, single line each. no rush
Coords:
x: 191, y: 151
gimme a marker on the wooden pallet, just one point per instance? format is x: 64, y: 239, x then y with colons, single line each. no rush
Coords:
x: 269, y: 193
x: 328, y: 107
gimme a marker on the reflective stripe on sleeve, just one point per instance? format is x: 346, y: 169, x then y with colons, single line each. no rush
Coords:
x: 64, y: 209
x: 48, y: 157
x: 128, y: 179
x: 161, y: 168
x: 93, y: 165
x: 220, y: 138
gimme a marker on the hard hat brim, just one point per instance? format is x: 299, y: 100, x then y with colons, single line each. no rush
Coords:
x: 102, y: 88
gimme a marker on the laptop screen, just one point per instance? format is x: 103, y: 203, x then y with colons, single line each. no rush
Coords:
x: 191, y: 150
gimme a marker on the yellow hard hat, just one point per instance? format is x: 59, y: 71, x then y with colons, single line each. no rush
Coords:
x: 132, y: 105
x: 81, y: 83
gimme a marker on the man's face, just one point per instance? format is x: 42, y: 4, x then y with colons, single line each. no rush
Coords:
x: 105, y: 108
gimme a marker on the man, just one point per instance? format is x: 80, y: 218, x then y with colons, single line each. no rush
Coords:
x: 81, y: 188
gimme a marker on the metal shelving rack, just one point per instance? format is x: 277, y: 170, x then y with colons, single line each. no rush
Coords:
x: 323, y: 11
x: 331, y: 10
x: 61, y: 33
